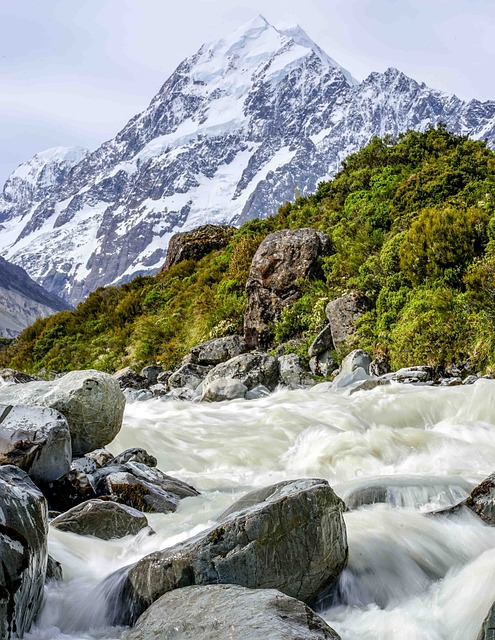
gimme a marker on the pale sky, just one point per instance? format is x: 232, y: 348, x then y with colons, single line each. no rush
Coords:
x: 73, y: 72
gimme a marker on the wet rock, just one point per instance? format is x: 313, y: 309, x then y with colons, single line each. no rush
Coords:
x: 137, y: 395
x: 151, y: 373
x: 449, y: 382
x: 136, y: 454
x: 292, y: 372
x: 103, y: 519
x: 83, y: 465
x: 471, y: 379
x: 369, y: 385
x: 158, y: 390
x: 91, y: 401
x: 195, y: 244
x: 141, y: 487
x: 282, y: 259
x: 252, y: 369
x: 224, y: 389
x: 412, y: 375
x: 227, y: 611
x: 188, y: 376
x: 289, y: 536
x: 218, y: 350
x: 23, y: 551
x: 35, y: 439
x: 258, y: 392
x: 129, y: 379
x: 323, y: 342
x: 11, y: 376
x: 182, y: 393
x: 69, y: 490
x: 482, y: 500
x: 323, y: 364
x: 54, y: 570
x: 354, y: 360
x: 163, y: 378
x: 487, y: 631
x: 100, y: 456
x: 343, y: 313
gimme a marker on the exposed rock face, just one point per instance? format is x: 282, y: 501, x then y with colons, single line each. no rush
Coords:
x: 218, y: 350
x: 91, y: 401
x: 102, y: 519
x: 252, y: 369
x: 196, y: 244
x: 226, y: 611
x: 322, y: 342
x: 487, y: 630
x: 292, y: 372
x: 35, y: 439
x: 189, y: 376
x: 289, y: 536
x: 343, y: 314
x: 482, y: 500
x: 283, y: 258
x: 23, y: 551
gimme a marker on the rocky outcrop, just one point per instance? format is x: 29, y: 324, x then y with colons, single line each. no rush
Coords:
x: 102, y: 519
x: 196, y: 244
x: 342, y: 314
x: 218, y: 350
x: 251, y: 369
x: 23, y: 551
x: 289, y: 536
x: 91, y: 401
x: 35, y: 439
x: 129, y: 379
x: 226, y: 611
x: 282, y: 259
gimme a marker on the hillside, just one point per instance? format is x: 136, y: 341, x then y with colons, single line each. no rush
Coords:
x: 413, y: 227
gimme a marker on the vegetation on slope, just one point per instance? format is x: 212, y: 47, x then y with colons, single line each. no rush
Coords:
x: 413, y: 225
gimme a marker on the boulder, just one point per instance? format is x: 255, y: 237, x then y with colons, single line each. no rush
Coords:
x: 83, y: 465
x: 151, y: 373
x: 343, y: 313
x: 379, y: 366
x: 195, y: 244
x: 227, y: 611
x: 141, y: 487
x: 100, y: 456
x: 188, y: 376
x: 258, y: 392
x: 412, y: 375
x: 322, y: 342
x: 91, y: 401
x: 218, y: 350
x: 487, y: 631
x: 69, y: 490
x: 292, y: 372
x: 323, y: 364
x: 23, y: 551
x: 252, y: 369
x: 136, y: 454
x: 282, y: 259
x: 54, y: 570
x: 103, y: 519
x: 35, y: 439
x: 11, y: 376
x: 290, y: 536
x: 355, y: 360
x: 482, y: 500
x: 129, y: 379
x: 224, y: 389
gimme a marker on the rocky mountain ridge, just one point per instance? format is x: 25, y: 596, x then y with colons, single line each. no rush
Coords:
x: 240, y: 127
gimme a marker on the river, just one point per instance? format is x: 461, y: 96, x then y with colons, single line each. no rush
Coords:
x: 409, y: 576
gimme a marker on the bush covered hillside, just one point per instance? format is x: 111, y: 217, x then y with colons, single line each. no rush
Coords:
x: 413, y: 226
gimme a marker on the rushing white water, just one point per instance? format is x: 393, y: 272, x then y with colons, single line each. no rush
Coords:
x: 409, y: 576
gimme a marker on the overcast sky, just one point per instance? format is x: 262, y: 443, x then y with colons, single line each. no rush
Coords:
x: 73, y: 72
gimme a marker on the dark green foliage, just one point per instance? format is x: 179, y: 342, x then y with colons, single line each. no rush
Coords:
x: 412, y: 221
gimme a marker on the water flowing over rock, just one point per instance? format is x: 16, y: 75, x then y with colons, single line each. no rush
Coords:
x: 23, y: 551
x: 35, y: 439
x: 283, y: 258
x: 91, y: 401
x: 226, y: 611
x: 289, y: 536
x: 195, y: 244
x: 102, y: 519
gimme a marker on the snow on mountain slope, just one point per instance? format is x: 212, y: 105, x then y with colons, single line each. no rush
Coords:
x: 233, y: 133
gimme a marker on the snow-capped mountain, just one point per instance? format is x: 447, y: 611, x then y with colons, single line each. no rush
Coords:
x: 236, y: 130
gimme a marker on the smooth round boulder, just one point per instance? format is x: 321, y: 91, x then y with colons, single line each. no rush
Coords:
x: 23, y: 551
x: 91, y: 401
x: 227, y: 611
x: 224, y: 389
x: 251, y: 369
x: 102, y: 519
x: 218, y: 350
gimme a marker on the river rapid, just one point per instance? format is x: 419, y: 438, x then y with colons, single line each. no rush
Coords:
x: 409, y: 576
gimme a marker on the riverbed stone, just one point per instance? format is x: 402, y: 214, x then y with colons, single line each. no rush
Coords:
x: 188, y: 376
x: 289, y: 536
x: 218, y: 350
x: 23, y: 551
x: 413, y: 375
x: 323, y: 364
x: 252, y: 369
x: 11, y: 376
x: 130, y: 379
x: 224, y: 389
x: 135, y: 454
x: 35, y: 439
x: 343, y: 313
x: 280, y: 262
x: 101, y: 456
x: 91, y: 401
x: 227, y: 611
x: 482, y: 500
x: 102, y: 519
x: 292, y: 372
x: 151, y: 373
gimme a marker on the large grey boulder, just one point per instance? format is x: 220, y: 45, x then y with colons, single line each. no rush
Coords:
x: 281, y: 260
x: 23, y: 551
x: 289, y: 536
x: 35, y: 439
x: 218, y: 350
x: 342, y: 314
x: 224, y: 389
x: 227, y: 611
x: 252, y: 369
x: 482, y: 500
x: 91, y: 401
x: 292, y: 372
x: 322, y: 342
x: 188, y: 376
x: 102, y: 519
x: 195, y: 244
